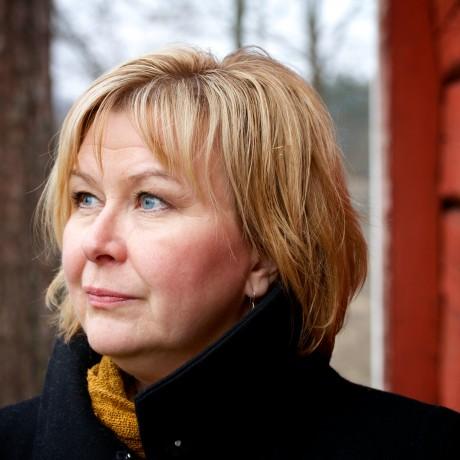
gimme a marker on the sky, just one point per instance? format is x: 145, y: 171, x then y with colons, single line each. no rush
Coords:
x: 117, y: 30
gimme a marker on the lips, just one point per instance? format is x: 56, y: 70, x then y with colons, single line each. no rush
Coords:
x: 105, y: 298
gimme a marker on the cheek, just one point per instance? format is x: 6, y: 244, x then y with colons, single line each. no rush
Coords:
x: 189, y: 261
x: 72, y: 255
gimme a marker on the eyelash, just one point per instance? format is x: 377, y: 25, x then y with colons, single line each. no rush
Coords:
x: 78, y: 196
x: 139, y: 195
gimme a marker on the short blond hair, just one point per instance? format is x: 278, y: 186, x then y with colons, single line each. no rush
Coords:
x: 276, y: 142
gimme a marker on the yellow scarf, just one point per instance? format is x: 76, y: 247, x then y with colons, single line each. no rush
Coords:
x: 110, y: 404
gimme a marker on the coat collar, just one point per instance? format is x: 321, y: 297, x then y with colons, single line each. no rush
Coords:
x: 202, y: 403
x: 194, y: 408
x: 67, y: 427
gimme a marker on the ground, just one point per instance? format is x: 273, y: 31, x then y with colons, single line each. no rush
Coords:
x: 351, y: 357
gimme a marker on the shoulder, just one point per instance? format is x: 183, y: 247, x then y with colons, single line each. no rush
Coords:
x: 17, y: 429
x: 388, y: 405
x: 396, y: 424
x: 368, y: 423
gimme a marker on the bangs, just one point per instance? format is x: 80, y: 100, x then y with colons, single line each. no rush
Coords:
x: 173, y: 118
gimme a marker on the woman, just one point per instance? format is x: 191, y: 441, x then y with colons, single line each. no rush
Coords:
x: 209, y: 252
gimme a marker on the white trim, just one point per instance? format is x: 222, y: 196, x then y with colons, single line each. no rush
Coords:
x: 378, y: 208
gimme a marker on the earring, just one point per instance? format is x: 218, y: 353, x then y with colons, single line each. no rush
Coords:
x: 252, y: 301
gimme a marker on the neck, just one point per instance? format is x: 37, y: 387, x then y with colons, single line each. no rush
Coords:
x: 143, y: 371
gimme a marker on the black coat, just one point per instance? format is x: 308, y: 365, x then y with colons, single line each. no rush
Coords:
x: 248, y: 396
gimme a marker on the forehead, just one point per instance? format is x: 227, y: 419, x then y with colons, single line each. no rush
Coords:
x: 119, y: 135
x: 116, y: 132
x: 117, y: 145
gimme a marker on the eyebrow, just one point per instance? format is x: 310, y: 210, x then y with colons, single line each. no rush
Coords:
x: 135, y: 178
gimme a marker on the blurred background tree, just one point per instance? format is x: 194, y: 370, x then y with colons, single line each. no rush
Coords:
x: 26, y: 128
x: 321, y: 39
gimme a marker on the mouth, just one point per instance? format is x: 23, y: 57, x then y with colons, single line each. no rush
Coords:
x: 105, y: 298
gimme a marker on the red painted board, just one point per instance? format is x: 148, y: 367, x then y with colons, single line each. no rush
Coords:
x: 443, y: 10
x: 412, y: 294
x: 450, y: 328
x: 450, y: 142
x: 449, y: 40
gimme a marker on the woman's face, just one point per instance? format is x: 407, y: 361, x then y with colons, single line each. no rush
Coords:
x: 154, y: 272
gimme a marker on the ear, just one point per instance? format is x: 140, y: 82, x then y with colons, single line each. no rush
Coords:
x: 261, y: 276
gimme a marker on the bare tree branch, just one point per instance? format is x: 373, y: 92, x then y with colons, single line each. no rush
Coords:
x: 312, y: 25
x: 240, y: 7
x: 340, y: 30
x: 62, y: 28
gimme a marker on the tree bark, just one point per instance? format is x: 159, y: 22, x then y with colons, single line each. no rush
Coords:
x: 25, y: 131
x: 240, y: 7
x: 312, y: 19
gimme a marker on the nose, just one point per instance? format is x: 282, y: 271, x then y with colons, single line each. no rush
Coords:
x: 104, y: 241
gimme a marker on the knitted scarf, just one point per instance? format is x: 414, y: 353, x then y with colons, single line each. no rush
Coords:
x: 111, y: 406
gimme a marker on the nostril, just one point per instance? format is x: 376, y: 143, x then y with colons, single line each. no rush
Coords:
x: 104, y: 258
x: 104, y: 238
x: 103, y: 250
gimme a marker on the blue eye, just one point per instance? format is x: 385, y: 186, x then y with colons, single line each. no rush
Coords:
x: 88, y: 200
x: 85, y: 200
x: 149, y: 202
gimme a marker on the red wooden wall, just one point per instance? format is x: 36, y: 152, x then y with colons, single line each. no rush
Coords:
x: 447, y: 37
x: 420, y: 62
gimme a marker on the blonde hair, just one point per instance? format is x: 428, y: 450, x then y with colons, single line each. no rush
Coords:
x: 276, y: 142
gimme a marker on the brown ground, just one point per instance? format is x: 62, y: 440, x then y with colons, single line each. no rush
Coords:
x: 351, y: 357
x: 351, y: 353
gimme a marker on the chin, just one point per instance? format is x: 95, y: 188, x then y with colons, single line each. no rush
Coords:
x: 110, y: 341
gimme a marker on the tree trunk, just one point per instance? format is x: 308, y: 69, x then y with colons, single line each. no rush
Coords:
x: 25, y: 128
x: 240, y: 6
x: 312, y: 18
